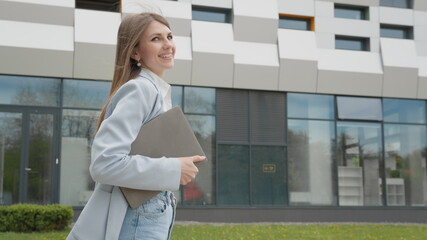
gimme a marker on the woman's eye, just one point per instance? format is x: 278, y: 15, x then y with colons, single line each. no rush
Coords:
x: 170, y: 37
x: 155, y: 39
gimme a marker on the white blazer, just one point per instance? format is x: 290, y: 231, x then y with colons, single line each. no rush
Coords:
x: 135, y: 103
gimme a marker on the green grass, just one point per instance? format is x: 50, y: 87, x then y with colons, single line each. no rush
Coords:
x: 269, y: 232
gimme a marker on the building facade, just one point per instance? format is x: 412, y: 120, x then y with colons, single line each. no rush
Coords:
x: 308, y: 110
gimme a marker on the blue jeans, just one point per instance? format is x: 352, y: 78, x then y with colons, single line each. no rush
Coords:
x: 152, y: 220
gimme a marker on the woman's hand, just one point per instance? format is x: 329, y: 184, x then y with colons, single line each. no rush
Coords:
x: 188, y: 169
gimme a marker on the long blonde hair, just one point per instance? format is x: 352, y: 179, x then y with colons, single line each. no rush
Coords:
x: 130, y: 31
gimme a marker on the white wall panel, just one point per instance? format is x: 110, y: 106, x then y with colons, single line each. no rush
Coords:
x: 256, y: 66
x: 348, y: 27
x: 325, y: 40
x: 300, y: 7
x: 255, y: 21
x: 349, y: 72
x: 213, y: 54
x: 324, y: 9
x: 181, y: 72
x: 36, y: 35
x: 94, y: 61
x: 59, y: 3
x: 420, y: 5
x: 96, y: 26
x: 399, y: 16
x: 420, y: 17
x: 421, y: 48
x: 420, y: 33
x: 374, y: 14
x: 298, y: 60
x: 400, y: 68
x: 422, y: 79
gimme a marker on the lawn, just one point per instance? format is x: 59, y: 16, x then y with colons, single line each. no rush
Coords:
x: 270, y: 232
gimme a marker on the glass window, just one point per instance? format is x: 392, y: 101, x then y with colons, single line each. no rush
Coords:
x: 177, y: 96
x: 199, y: 100
x: 297, y: 23
x: 85, y: 94
x: 211, y: 14
x: 29, y: 91
x: 10, y: 157
x: 310, y: 106
x: 310, y: 162
x: 405, y: 163
x: 359, y: 108
x: 393, y: 31
x: 233, y: 174
x: 110, y: 5
x: 351, y: 12
x: 78, y: 131
x: 351, y: 43
x: 268, y: 175
x: 404, y: 111
x: 396, y: 3
x: 359, y: 157
x: 201, y: 190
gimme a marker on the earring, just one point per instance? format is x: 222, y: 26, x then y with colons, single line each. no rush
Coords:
x: 138, y: 64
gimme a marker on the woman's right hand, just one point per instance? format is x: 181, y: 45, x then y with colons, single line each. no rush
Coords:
x: 188, y: 169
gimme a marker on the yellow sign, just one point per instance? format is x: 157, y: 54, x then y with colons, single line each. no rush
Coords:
x: 269, y: 168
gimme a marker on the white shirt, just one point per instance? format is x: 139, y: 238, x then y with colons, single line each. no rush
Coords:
x: 165, y: 90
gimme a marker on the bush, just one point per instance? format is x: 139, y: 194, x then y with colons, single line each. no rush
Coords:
x: 30, y: 217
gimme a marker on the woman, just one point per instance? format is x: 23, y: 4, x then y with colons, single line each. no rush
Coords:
x: 145, y: 49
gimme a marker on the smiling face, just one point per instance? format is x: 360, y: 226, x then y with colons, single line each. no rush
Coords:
x: 156, y: 48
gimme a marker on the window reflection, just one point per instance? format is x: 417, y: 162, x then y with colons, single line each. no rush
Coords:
x: 359, y: 108
x: 78, y: 131
x: 310, y: 106
x: 199, y: 100
x: 359, y: 160
x: 201, y: 190
x: 177, y: 96
x: 405, y: 163
x: 29, y: 91
x: 85, y: 94
x: 404, y: 111
x: 310, y: 152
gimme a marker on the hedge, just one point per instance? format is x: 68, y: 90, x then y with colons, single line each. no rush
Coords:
x: 31, y: 217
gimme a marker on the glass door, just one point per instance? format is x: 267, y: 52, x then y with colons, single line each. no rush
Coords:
x: 28, y: 156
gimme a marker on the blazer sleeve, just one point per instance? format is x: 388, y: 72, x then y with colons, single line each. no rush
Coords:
x: 111, y: 163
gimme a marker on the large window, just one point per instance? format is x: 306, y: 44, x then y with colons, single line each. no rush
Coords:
x: 310, y: 149
x: 199, y: 107
x: 104, y: 5
x: 396, y: 3
x: 351, y: 12
x: 356, y: 108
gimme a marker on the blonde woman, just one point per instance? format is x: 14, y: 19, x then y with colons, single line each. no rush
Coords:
x: 145, y: 49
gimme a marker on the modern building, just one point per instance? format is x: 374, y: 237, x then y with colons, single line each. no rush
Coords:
x: 308, y: 110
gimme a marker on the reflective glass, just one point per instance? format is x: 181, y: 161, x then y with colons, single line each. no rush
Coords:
x: 177, y: 96
x: 404, y: 111
x: 29, y: 91
x: 201, y: 190
x: 10, y: 157
x: 310, y: 162
x: 405, y: 163
x: 78, y: 131
x: 359, y: 157
x: 211, y: 15
x: 39, y: 169
x: 294, y: 23
x: 268, y: 175
x: 310, y: 106
x: 396, y: 3
x: 357, y: 44
x: 199, y: 100
x: 233, y: 174
x: 358, y: 108
x: 350, y: 12
x: 85, y: 94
